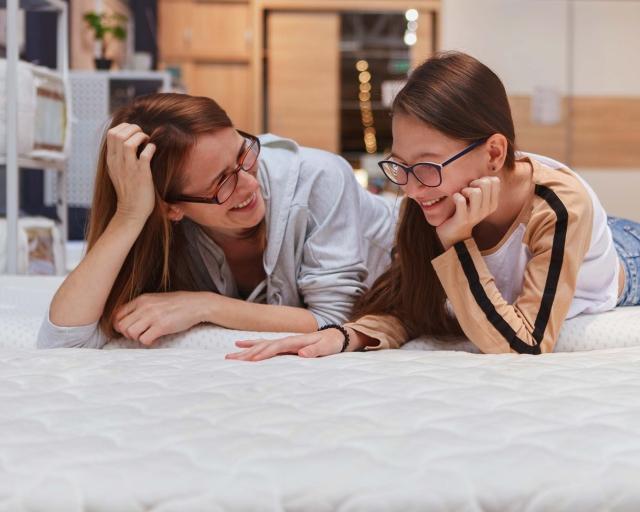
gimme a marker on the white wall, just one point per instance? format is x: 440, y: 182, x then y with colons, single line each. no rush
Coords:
x: 579, y: 47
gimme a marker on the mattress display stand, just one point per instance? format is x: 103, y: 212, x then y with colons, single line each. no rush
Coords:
x: 13, y: 161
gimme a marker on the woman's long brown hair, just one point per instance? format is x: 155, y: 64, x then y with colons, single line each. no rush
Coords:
x: 462, y: 98
x: 155, y: 263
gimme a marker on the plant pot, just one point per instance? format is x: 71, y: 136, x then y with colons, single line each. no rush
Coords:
x: 102, y: 63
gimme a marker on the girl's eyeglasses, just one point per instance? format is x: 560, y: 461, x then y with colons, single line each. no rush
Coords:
x: 427, y: 173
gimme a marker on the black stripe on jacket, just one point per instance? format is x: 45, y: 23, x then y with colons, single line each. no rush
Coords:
x: 551, y: 285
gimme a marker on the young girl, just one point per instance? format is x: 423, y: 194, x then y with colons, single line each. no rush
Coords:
x: 194, y: 221
x: 500, y: 247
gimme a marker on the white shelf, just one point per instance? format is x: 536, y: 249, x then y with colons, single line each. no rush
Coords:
x: 38, y: 5
x: 14, y: 161
x: 27, y: 162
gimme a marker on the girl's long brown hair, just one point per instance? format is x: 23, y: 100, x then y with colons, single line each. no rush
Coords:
x: 155, y: 263
x: 462, y: 98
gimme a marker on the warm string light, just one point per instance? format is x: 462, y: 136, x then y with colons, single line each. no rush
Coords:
x: 411, y: 34
x: 366, y: 111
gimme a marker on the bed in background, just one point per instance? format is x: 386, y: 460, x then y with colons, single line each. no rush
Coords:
x: 184, y: 429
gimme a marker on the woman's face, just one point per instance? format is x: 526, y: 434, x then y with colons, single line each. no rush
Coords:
x: 414, y: 141
x: 213, y: 157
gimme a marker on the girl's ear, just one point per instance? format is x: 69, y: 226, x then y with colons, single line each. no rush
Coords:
x: 497, y: 145
x: 174, y: 212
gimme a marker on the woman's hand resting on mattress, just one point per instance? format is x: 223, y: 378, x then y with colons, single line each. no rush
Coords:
x: 152, y: 315
x: 315, y: 344
x: 130, y: 174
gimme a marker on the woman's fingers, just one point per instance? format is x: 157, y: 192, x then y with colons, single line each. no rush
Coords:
x: 117, y: 136
x: 149, y: 336
x: 134, y: 330
x: 147, y: 153
x: 131, y: 146
x: 125, y: 310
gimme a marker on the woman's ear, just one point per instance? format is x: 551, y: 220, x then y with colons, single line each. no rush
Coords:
x: 174, y: 212
x: 497, y: 145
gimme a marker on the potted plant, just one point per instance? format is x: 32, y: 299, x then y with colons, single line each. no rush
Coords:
x: 102, y: 25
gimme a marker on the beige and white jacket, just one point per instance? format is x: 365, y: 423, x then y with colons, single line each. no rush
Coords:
x: 557, y: 260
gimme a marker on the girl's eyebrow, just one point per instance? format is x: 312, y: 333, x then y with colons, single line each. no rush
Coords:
x: 426, y: 154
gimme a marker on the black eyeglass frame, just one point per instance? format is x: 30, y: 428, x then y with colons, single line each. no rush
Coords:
x: 409, y: 169
x: 253, y: 140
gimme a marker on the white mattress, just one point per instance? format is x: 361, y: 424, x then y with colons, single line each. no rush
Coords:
x: 396, y: 430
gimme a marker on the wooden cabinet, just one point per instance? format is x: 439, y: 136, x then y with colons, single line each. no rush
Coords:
x: 304, y: 83
x: 229, y: 85
x: 204, y: 31
x: 211, y: 45
x: 273, y: 64
x: 175, y: 28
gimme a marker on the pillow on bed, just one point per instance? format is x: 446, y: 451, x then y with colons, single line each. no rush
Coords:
x: 25, y: 299
x: 614, y: 329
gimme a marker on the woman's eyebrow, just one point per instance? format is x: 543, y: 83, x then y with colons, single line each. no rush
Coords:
x: 225, y: 171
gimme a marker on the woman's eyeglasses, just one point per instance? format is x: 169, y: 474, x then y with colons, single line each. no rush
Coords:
x: 246, y: 160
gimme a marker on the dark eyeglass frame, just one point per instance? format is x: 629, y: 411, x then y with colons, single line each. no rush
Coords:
x: 409, y: 169
x: 242, y: 155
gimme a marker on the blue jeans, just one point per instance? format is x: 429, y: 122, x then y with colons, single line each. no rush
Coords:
x: 626, y: 238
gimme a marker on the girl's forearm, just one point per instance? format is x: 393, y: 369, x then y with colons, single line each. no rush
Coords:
x: 81, y: 298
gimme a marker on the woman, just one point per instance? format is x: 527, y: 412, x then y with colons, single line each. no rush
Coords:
x: 194, y: 221
x: 496, y: 246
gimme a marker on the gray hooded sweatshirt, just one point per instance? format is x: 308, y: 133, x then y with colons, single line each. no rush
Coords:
x: 327, y: 240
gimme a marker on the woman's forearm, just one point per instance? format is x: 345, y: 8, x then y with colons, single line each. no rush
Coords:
x: 248, y: 316
x: 81, y: 298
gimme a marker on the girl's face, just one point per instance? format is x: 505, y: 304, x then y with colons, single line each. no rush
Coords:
x: 213, y: 157
x: 415, y: 141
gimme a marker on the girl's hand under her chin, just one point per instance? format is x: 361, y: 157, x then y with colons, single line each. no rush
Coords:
x: 130, y: 174
x: 315, y: 344
x: 152, y: 315
x: 473, y: 204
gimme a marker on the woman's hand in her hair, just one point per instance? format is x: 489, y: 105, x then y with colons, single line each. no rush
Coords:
x: 152, y: 315
x: 130, y: 173
x: 315, y: 344
x: 473, y: 204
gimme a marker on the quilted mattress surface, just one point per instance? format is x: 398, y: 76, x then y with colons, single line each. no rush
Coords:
x: 180, y: 430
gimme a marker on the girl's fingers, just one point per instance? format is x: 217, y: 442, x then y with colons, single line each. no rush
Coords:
x: 258, y: 350
x: 249, y: 352
x: 484, y: 184
x: 495, y: 193
x: 283, y: 346
x: 247, y: 343
x: 474, y: 196
x: 319, y: 349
